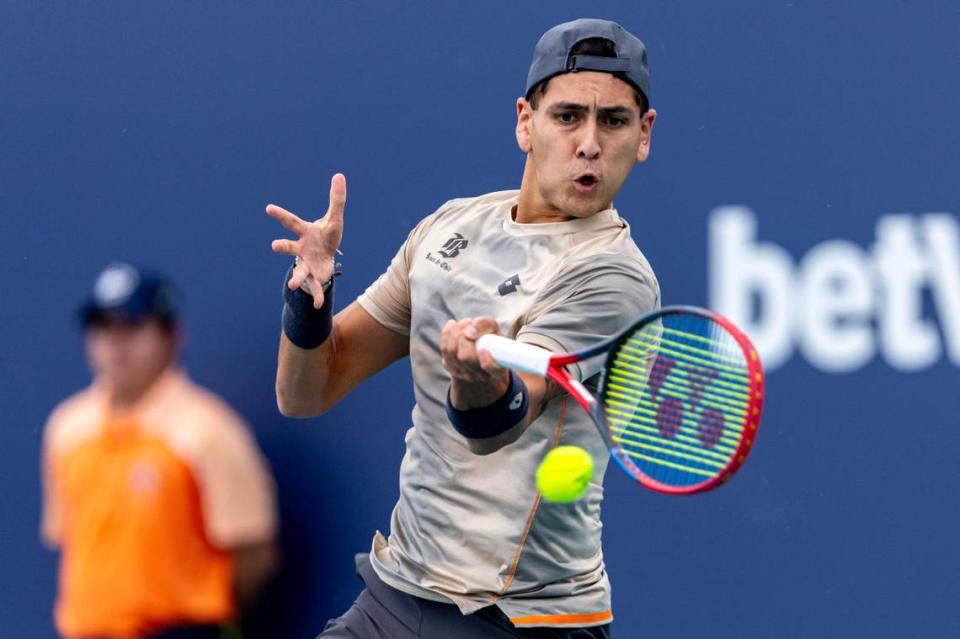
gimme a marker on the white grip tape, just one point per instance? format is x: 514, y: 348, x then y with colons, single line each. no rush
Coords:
x: 525, y: 358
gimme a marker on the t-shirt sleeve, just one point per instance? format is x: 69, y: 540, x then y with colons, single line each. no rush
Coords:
x: 237, y: 491
x: 588, y: 302
x: 388, y: 298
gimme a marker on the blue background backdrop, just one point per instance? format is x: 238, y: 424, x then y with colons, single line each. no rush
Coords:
x: 157, y: 132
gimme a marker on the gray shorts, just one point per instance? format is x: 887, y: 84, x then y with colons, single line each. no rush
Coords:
x: 383, y: 612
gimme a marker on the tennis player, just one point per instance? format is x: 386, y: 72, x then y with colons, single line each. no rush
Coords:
x: 473, y: 551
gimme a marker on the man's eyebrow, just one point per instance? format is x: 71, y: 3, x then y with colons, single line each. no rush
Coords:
x: 616, y: 110
x: 568, y: 106
x: 620, y: 111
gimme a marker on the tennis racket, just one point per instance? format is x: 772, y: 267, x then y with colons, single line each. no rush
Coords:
x: 679, y: 398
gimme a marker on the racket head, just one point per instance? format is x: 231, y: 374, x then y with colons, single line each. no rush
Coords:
x: 680, y: 399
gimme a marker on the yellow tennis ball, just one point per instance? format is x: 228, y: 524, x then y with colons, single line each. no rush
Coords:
x: 564, y: 474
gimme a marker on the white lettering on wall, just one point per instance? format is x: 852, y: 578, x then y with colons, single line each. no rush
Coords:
x: 842, y: 305
x: 907, y: 339
x: 940, y: 231
x: 741, y: 268
x: 835, y: 304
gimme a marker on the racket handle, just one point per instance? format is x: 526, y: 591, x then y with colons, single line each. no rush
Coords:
x: 525, y: 358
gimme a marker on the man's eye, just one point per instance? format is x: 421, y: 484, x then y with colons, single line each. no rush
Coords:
x: 616, y: 122
x: 567, y: 118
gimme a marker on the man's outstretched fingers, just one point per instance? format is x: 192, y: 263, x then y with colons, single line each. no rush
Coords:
x: 338, y: 197
x: 285, y: 247
x: 287, y: 219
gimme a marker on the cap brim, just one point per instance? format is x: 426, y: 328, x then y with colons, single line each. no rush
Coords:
x: 91, y: 312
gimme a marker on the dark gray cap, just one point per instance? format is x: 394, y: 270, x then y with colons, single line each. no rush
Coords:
x: 552, y: 55
x: 124, y: 291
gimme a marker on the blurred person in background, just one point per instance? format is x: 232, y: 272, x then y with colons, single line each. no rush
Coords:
x: 154, y: 489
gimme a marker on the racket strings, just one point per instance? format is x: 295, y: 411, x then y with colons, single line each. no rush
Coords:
x: 642, y: 423
x: 688, y: 354
x: 676, y: 398
x: 625, y: 389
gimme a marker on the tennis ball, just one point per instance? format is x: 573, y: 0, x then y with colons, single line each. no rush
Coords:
x: 564, y: 474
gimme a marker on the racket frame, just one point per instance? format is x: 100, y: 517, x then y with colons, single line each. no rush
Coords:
x: 556, y: 371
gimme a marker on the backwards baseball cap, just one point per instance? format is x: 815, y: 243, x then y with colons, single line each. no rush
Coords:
x: 125, y: 291
x: 552, y: 55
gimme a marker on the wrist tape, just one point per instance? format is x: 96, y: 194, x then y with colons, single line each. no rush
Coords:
x: 499, y: 417
x: 305, y: 326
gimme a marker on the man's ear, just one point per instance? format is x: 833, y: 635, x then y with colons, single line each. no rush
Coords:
x: 524, y: 115
x: 646, y: 129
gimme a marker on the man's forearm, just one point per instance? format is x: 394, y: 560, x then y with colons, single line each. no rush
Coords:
x: 306, y: 352
x: 302, y: 378
x: 470, y: 395
x: 310, y: 381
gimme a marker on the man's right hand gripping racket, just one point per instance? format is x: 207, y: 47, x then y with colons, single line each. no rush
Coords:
x: 679, y: 398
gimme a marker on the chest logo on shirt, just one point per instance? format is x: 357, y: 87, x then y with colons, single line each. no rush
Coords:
x: 450, y: 249
x: 453, y: 246
x: 509, y: 285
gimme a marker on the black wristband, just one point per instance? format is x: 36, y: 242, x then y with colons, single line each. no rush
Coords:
x: 497, y: 418
x: 305, y: 326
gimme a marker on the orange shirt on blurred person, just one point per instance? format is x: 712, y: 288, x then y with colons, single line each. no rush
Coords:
x: 145, y: 505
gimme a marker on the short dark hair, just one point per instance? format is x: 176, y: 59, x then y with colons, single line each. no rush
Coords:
x: 600, y: 47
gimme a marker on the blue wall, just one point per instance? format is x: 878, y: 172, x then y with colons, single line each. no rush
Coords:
x: 158, y: 131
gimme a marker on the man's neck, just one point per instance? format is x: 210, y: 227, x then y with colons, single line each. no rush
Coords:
x: 532, y: 208
x: 124, y: 398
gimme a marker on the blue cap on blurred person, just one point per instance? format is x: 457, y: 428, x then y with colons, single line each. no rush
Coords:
x: 123, y: 291
x: 552, y: 55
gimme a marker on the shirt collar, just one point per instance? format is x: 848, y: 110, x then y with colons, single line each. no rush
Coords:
x: 607, y: 218
x: 166, y: 386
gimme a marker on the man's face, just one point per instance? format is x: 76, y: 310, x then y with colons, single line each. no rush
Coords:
x: 128, y: 355
x: 583, y: 140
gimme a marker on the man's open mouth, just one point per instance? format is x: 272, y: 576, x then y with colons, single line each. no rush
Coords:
x: 587, y: 180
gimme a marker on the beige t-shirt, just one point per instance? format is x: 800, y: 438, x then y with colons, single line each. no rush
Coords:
x: 472, y: 529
